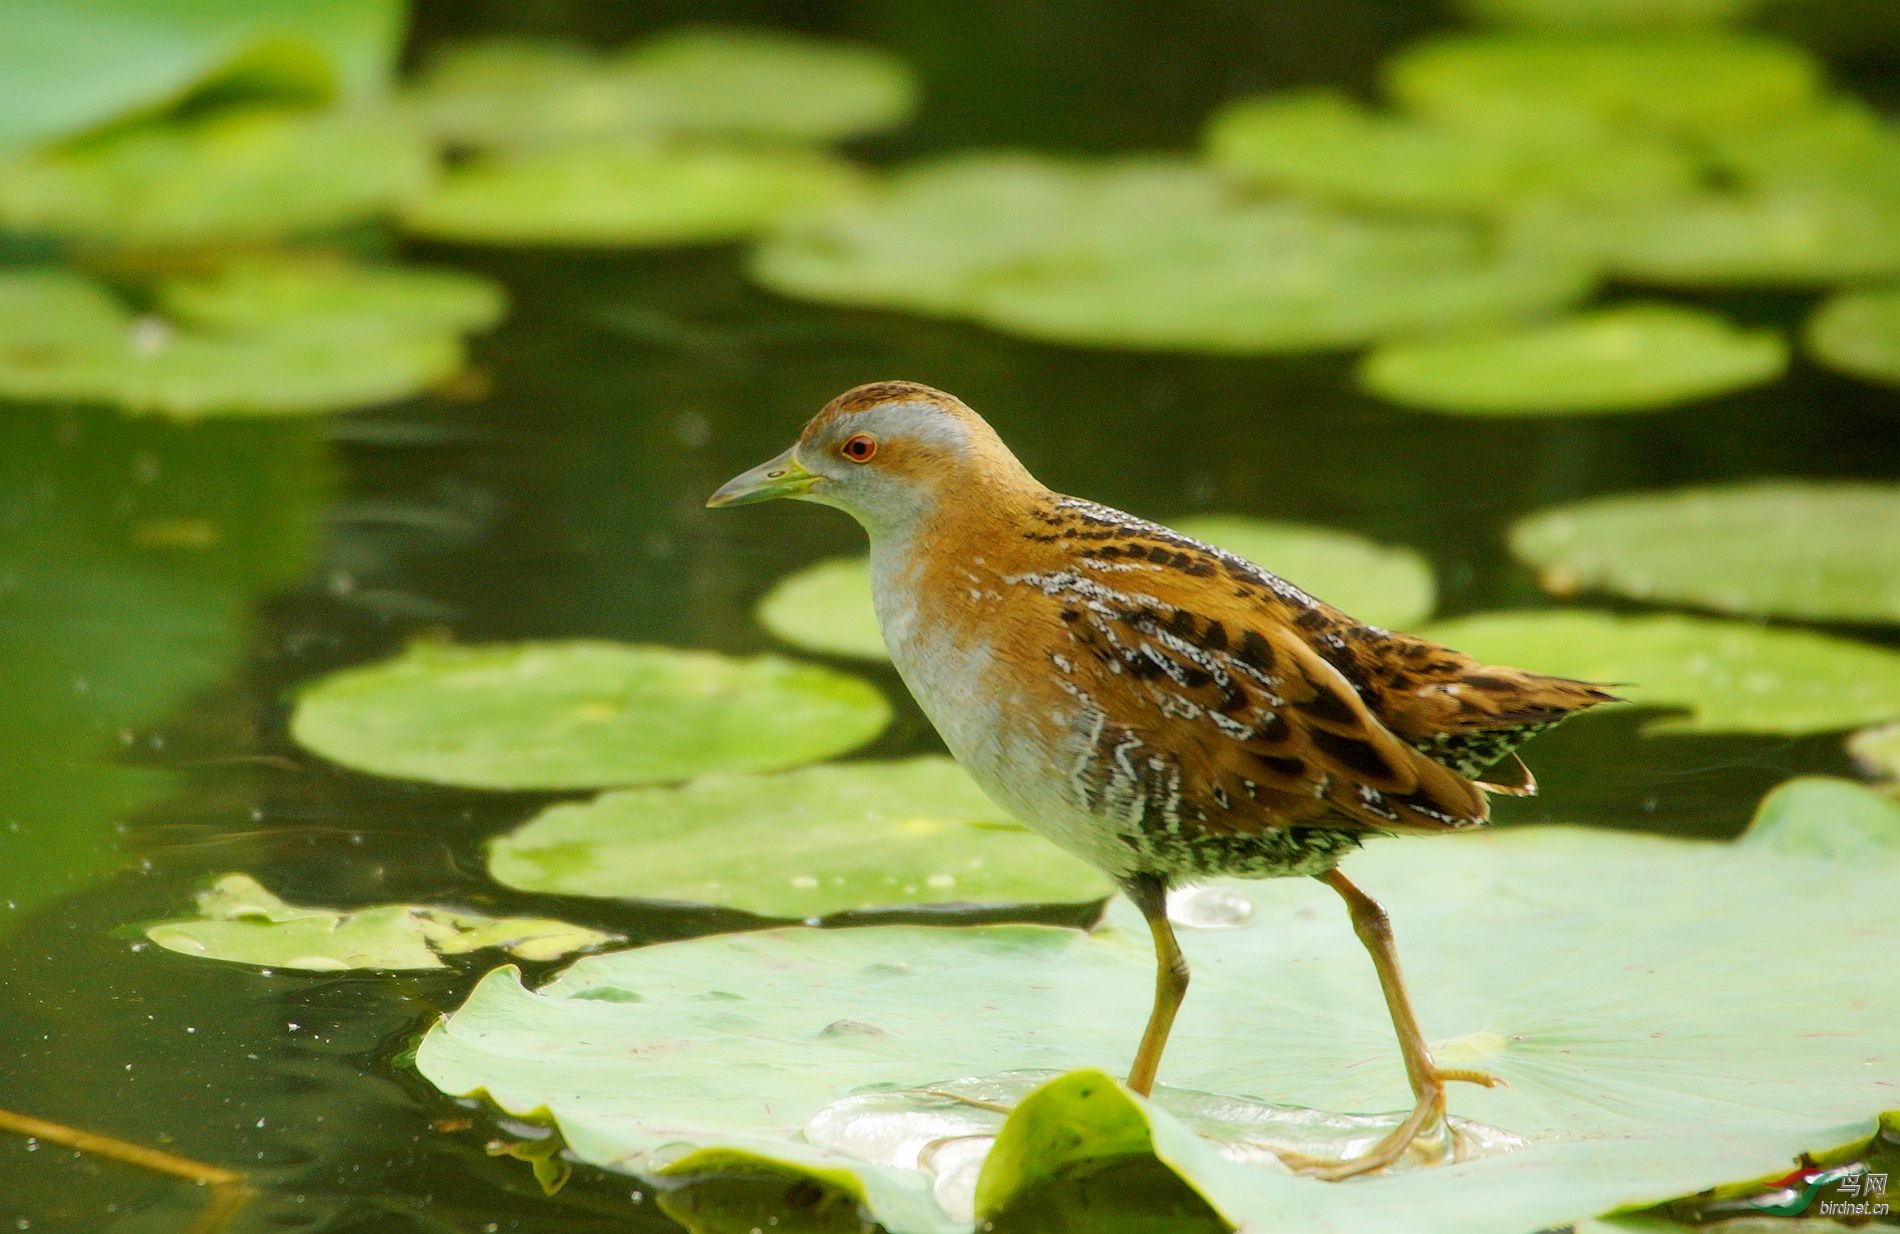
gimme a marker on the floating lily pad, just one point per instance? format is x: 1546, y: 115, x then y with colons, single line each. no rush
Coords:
x: 1620, y: 997
x: 1691, y: 82
x: 581, y: 715
x: 1591, y: 16
x: 1858, y: 332
x: 826, y: 607
x: 764, y: 85
x: 238, y: 920
x: 1151, y: 253
x: 265, y: 338
x: 1729, y: 676
x: 1877, y: 750
x: 1835, y: 818
x: 1783, y: 548
x: 1844, y: 146
x: 1637, y: 357
x: 624, y: 194
x: 805, y: 843
x: 1320, y: 142
x: 232, y: 177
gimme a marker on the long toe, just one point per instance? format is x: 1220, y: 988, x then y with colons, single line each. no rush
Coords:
x: 1427, y: 1114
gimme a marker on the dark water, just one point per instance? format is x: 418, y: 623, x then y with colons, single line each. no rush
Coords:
x: 163, y: 588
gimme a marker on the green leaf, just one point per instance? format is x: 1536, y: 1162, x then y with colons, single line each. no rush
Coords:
x: 1592, y: 16
x: 1858, y: 333
x: 1729, y: 676
x: 1619, y: 997
x: 1636, y: 357
x: 1320, y: 142
x: 236, y: 176
x: 238, y: 920
x: 1524, y: 82
x: 1150, y: 253
x: 1836, y: 819
x: 1823, y: 550
x: 69, y: 65
x: 1843, y: 146
x: 625, y: 194
x: 757, y: 85
x: 266, y: 337
x: 581, y: 715
x: 826, y: 607
x: 805, y: 843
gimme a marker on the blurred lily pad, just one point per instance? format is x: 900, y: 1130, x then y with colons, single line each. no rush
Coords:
x: 1152, y: 253
x: 1824, y: 550
x: 235, y: 176
x: 754, y: 84
x: 826, y: 607
x: 262, y: 338
x: 1635, y: 357
x: 1592, y: 16
x: 1562, y: 83
x: 1617, y: 998
x: 1322, y: 143
x: 805, y: 843
x: 581, y: 715
x: 1729, y: 676
x: 1858, y: 333
x: 238, y: 920
x: 626, y: 194
x: 1843, y: 146
x: 1877, y: 750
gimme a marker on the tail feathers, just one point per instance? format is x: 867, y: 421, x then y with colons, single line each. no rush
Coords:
x: 1483, y: 715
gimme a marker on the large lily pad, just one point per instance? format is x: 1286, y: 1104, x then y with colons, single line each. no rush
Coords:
x: 805, y: 843
x: 1631, y: 358
x: 1686, y: 81
x: 1321, y: 142
x: 826, y: 607
x: 1620, y: 997
x: 1730, y: 677
x: 620, y: 193
x: 763, y: 85
x: 235, y: 176
x: 1858, y: 332
x: 259, y: 338
x: 581, y: 715
x: 1780, y: 548
x: 1152, y: 253
x: 239, y: 921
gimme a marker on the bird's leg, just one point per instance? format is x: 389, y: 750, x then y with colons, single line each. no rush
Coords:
x: 1150, y: 894
x: 1374, y: 929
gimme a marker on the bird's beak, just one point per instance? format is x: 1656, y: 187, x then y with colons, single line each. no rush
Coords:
x: 783, y: 476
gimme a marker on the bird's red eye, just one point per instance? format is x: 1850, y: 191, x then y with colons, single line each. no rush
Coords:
x: 859, y: 448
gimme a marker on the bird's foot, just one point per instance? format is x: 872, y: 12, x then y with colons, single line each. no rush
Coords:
x: 1469, y: 1075
x: 1427, y: 1116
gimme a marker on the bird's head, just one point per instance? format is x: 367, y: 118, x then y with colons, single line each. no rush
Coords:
x: 890, y: 454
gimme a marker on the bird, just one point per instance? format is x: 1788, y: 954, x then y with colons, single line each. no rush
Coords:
x: 1161, y: 708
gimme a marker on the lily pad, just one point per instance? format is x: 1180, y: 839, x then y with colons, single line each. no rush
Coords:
x: 826, y: 607
x: 1152, y: 253
x: 1677, y: 81
x: 239, y: 921
x: 761, y: 85
x: 805, y: 843
x: 277, y: 338
x: 1637, y: 357
x: 232, y: 177
x: 1824, y: 550
x: 1844, y: 146
x: 1620, y: 998
x: 1729, y: 676
x: 625, y: 194
x: 1858, y: 333
x: 581, y: 715
x: 1322, y: 143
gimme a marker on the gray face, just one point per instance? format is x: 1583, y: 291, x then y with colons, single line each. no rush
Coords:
x: 915, y: 449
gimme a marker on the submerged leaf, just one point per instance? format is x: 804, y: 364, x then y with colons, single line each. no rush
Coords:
x: 1858, y: 333
x: 1826, y: 550
x: 626, y: 194
x: 1636, y: 357
x: 1620, y: 997
x: 581, y: 715
x: 239, y: 921
x: 1731, y: 677
x: 805, y: 843
x: 238, y: 176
